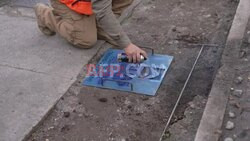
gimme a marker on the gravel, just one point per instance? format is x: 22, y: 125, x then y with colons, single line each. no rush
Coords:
x: 228, y: 139
x: 231, y: 114
x: 238, y: 80
x: 237, y: 93
x: 229, y: 125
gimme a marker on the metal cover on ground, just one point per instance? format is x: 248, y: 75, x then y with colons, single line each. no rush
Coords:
x: 144, y: 78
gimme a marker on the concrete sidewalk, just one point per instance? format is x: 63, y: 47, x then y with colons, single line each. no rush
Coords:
x: 35, y: 71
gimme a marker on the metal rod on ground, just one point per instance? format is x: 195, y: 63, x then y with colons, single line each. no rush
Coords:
x: 184, y: 87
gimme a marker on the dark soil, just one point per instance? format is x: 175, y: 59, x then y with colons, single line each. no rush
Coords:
x: 169, y: 26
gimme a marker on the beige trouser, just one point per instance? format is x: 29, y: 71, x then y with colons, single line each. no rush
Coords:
x: 80, y: 30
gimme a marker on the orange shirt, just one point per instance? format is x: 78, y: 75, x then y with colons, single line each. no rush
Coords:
x: 79, y: 6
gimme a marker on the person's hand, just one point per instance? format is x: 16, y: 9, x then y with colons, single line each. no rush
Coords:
x: 134, y: 53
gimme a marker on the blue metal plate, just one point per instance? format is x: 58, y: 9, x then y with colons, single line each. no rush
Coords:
x: 144, y: 78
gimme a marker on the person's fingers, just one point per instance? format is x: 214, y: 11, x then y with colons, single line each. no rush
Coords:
x: 134, y: 58
x: 130, y: 58
x: 138, y: 57
x: 144, y: 54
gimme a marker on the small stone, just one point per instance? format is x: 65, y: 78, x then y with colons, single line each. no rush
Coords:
x: 231, y: 114
x: 176, y: 42
x: 66, y: 114
x: 52, y: 127
x: 46, y: 139
x: 238, y: 80
x: 192, y: 105
x: 232, y: 89
x: 237, y: 93
x: 171, y: 42
x: 228, y: 139
x: 243, y: 54
x: 207, y: 16
x: 229, y: 125
x: 75, y: 90
x: 235, y: 104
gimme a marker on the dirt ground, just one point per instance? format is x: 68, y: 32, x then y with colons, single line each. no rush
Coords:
x: 168, y: 26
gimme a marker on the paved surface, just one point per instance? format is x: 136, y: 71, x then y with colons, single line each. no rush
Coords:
x: 35, y: 71
x: 22, y: 3
x: 26, y: 3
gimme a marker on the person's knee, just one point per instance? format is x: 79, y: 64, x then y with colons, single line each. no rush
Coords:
x: 78, y: 38
x: 86, y: 44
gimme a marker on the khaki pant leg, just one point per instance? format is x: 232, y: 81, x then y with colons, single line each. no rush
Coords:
x: 79, y: 30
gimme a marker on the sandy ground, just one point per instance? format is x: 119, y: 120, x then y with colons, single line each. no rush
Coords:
x: 168, y: 26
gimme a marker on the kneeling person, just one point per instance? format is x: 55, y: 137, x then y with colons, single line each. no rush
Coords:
x: 82, y: 22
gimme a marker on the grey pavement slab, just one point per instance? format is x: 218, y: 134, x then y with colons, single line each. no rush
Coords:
x: 35, y: 71
x: 26, y: 3
x: 24, y: 46
x: 25, y: 98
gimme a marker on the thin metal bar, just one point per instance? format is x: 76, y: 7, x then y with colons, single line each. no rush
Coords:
x: 146, y: 47
x: 179, y: 98
x: 211, y: 45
